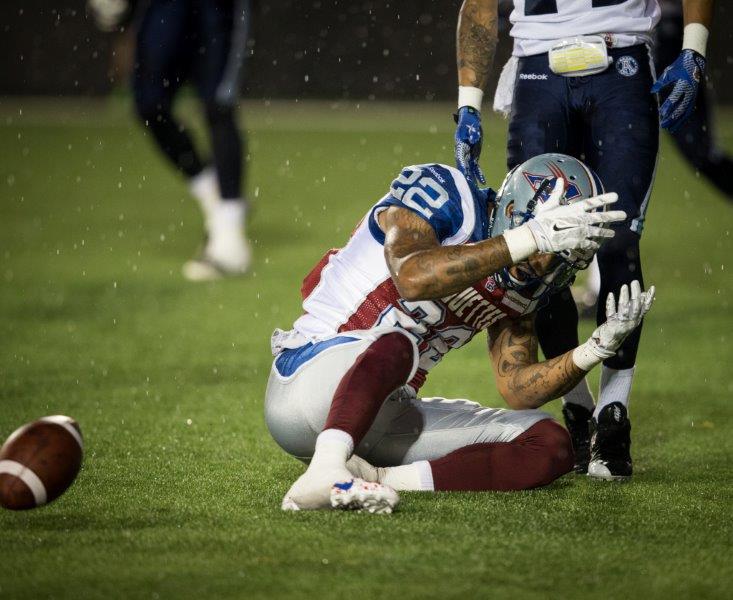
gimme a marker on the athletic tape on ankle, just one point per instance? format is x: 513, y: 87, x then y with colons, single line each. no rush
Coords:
x: 470, y: 96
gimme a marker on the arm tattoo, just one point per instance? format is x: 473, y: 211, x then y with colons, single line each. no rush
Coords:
x: 531, y: 383
x: 476, y: 41
x: 418, y: 263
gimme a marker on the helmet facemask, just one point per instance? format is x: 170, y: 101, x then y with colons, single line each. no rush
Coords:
x: 523, y: 191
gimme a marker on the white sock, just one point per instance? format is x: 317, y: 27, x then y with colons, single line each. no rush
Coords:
x: 227, y: 245
x: 228, y: 216
x: 580, y: 395
x: 416, y: 477
x: 333, y: 449
x: 615, y: 387
x: 205, y: 188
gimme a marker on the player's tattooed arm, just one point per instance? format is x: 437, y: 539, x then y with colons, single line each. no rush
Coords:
x: 522, y: 380
x: 476, y: 41
x: 422, y: 269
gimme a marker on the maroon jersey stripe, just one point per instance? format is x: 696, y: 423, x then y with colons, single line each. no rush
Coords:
x: 380, y: 298
x: 314, y: 277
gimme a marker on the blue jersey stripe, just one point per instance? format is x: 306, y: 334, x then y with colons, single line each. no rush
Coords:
x: 291, y: 360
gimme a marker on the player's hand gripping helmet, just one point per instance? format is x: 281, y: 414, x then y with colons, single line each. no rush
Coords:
x: 521, y: 196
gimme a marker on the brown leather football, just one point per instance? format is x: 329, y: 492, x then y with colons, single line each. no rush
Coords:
x: 39, y: 461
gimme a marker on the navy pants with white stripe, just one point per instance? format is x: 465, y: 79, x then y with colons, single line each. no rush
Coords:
x: 202, y: 42
x: 610, y: 121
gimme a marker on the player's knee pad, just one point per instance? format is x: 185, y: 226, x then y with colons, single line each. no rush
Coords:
x: 559, y: 446
x: 552, y: 441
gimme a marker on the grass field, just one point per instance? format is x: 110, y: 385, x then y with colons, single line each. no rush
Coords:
x: 180, y: 491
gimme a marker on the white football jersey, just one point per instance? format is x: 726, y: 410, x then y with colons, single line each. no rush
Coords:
x: 537, y: 25
x: 351, y: 288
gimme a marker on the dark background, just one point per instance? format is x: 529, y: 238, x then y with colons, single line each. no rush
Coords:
x: 299, y: 49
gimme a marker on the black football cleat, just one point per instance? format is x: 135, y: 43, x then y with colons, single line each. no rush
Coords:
x: 577, y: 421
x: 611, y: 444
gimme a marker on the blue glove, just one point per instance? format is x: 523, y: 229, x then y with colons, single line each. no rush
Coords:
x: 685, y: 73
x: 468, y: 143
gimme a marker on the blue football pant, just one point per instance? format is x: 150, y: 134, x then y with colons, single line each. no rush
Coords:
x: 204, y: 42
x: 610, y: 121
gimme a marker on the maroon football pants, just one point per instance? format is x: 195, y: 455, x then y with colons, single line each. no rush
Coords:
x: 379, y: 371
x: 535, y: 458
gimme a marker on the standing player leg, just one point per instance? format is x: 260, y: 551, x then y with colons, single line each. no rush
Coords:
x: 544, y: 120
x: 622, y: 145
x: 222, y: 30
x: 162, y: 63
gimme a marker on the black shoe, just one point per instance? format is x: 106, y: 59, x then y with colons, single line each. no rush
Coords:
x: 577, y: 421
x: 611, y: 444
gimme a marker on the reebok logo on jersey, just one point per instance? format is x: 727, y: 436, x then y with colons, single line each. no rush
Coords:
x: 534, y: 76
x: 436, y: 175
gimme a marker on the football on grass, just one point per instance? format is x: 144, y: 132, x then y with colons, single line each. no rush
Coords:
x: 39, y: 461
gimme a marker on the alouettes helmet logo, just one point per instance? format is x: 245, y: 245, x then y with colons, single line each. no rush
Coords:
x: 572, y: 191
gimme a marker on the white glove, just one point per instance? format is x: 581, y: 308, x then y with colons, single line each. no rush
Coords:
x: 108, y: 14
x: 557, y: 227
x: 607, y: 339
x: 573, y: 226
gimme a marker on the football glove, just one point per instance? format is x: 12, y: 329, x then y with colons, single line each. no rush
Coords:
x: 468, y: 143
x: 108, y: 14
x: 621, y: 320
x: 557, y: 227
x: 685, y: 75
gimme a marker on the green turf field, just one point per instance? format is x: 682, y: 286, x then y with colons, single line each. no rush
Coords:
x: 181, y: 486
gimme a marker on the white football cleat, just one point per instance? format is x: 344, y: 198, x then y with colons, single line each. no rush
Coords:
x: 360, y: 495
x: 312, y: 490
x: 318, y: 492
x: 227, y: 251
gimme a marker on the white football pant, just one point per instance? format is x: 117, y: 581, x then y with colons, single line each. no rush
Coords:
x: 407, y: 428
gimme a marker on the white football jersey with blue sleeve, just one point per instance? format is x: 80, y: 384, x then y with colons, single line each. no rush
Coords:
x: 351, y: 290
x: 351, y: 287
x: 537, y: 25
